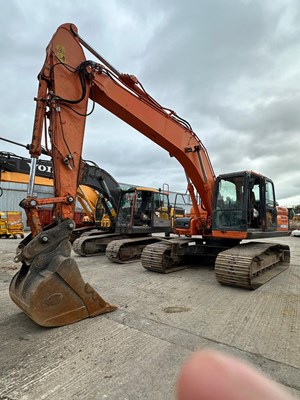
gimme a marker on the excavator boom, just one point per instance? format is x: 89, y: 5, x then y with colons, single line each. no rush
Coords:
x: 49, y: 276
x: 76, y: 80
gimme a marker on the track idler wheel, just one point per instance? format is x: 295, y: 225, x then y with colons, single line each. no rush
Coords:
x: 49, y: 287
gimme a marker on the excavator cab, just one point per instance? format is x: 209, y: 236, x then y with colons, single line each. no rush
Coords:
x: 143, y: 210
x: 244, y: 202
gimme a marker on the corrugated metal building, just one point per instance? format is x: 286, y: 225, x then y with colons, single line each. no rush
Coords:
x: 14, y: 193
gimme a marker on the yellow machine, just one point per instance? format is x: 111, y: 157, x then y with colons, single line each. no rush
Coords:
x: 141, y: 212
x: 11, y: 224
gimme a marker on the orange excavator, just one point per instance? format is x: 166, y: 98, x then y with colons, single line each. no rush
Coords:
x: 237, y: 206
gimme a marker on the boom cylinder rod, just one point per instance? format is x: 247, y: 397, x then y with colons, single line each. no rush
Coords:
x: 96, y: 54
x: 17, y: 144
x: 26, y: 146
x: 31, y: 177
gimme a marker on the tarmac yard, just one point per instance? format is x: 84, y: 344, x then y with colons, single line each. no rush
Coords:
x: 136, y: 352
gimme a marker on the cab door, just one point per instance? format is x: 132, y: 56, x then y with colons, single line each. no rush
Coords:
x: 161, y: 211
x: 270, y: 206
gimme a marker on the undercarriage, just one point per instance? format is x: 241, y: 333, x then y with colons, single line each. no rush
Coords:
x: 246, y: 265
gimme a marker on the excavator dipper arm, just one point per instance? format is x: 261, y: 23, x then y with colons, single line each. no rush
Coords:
x: 49, y: 287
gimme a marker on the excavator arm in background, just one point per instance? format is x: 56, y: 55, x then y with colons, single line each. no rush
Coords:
x: 66, y: 82
x: 107, y: 219
x: 95, y: 184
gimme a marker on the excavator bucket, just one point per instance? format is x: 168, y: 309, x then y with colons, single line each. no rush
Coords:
x: 49, y: 287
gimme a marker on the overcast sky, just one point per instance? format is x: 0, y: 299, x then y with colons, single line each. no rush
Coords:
x: 231, y: 68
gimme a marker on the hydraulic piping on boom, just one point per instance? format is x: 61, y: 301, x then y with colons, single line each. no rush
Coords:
x: 49, y: 287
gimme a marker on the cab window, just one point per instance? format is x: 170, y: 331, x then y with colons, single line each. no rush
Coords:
x: 270, y: 195
x: 228, y: 212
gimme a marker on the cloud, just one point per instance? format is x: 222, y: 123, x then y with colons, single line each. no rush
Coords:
x: 230, y: 68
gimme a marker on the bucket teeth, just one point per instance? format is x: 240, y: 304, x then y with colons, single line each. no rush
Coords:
x: 51, y: 291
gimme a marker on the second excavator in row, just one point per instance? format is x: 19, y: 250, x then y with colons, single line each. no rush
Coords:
x: 121, y: 220
x: 233, y: 207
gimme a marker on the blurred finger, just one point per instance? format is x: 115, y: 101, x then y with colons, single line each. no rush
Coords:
x: 210, y: 375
